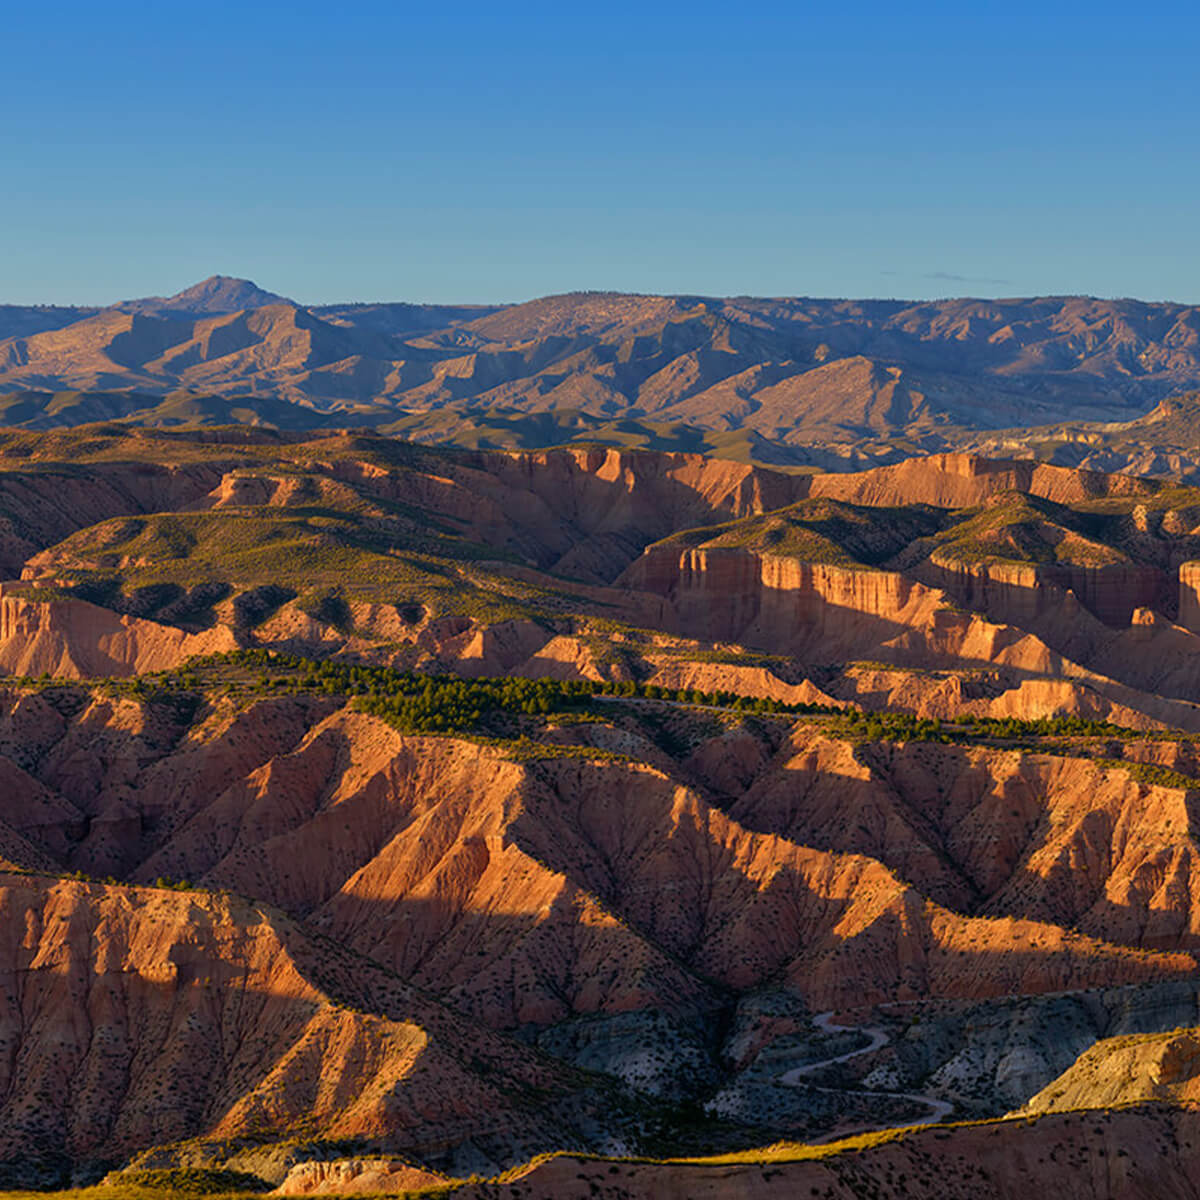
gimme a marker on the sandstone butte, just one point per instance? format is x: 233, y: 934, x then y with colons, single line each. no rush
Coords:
x: 446, y: 955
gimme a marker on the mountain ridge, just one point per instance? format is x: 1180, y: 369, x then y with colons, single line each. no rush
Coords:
x: 797, y: 372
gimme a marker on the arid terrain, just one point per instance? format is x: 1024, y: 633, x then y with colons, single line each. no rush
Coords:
x: 832, y: 384
x: 611, y: 746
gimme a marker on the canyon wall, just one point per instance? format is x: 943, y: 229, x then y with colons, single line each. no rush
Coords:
x: 1022, y: 593
x: 965, y: 480
x: 781, y: 604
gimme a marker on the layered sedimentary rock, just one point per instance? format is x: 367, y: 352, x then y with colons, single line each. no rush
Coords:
x: 1022, y: 594
x: 779, y: 603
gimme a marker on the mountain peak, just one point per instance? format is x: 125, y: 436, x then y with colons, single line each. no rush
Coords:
x: 216, y: 294
x: 224, y: 293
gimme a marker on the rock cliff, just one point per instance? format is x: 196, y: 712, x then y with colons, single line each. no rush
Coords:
x: 72, y: 639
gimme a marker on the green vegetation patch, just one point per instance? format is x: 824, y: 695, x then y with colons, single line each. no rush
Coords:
x: 1150, y: 774
x: 416, y: 703
x: 1015, y: 527
x: 325, y: 557
x: 823, y: 531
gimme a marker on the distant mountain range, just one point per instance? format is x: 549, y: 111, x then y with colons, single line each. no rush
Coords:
x: 783, y: 380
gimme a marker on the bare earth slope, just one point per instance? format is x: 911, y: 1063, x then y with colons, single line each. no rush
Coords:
x: 140, y: 1016
x: 1139, y: 1154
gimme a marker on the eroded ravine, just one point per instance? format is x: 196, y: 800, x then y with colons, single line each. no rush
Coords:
x: 878, y: 1038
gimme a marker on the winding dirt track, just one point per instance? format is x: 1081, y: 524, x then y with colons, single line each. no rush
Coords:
x: 939, y: 1110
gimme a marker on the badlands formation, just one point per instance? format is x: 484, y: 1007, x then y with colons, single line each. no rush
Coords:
x: 590, y: 821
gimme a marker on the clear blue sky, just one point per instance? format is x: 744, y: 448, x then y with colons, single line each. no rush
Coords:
x: 500, y: 151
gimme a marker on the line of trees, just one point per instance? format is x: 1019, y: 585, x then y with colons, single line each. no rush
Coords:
x: 423, y: 703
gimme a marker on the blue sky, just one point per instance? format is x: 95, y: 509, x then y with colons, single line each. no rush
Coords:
x: 501, y: 151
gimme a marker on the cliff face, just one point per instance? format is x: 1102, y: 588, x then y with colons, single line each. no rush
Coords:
x: 826, y: 614
x: 1023, y: 594
x: 72, y: 639
x: 788, y: 606
x: 967, y: 480
x: 1038, y: 633
x: 1189, y: 596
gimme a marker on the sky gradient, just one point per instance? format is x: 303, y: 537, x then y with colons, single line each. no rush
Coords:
x: 499, y: 152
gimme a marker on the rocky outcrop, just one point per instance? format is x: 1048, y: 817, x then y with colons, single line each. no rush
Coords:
x: 1189, y: 596
x: 1119, y: 1071
x: 949, y: 695
x: 742, y: 680
x: 356, y: 1177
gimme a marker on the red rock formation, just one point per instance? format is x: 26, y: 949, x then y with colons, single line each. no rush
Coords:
x: 966, y: 480
x: 1189, y: 596
x: 357, y: 1176
x: 527, y: 892
x: 133, y: 1016
x: 1023, y: 593
x: 75, y: 640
